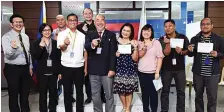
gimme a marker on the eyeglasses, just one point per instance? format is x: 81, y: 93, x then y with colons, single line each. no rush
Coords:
x: 46, y: 30
x: 205, y: 24
x: 18, y: 22
x: 72, y: 21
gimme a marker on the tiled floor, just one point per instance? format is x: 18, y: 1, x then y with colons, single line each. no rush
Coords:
x: 137, y: 105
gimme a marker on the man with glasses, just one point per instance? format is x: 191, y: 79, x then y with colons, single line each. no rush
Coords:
x: 206, y: 66
x: 71, y: 42
x: 18, y: 65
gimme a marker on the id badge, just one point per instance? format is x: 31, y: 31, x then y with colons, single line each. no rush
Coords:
x: 72, y: 54
x: 98, y: 51
x: 174, y: 61
x: 49, y: 62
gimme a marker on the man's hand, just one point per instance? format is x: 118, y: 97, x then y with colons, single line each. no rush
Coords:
x: 66, y: 41
x: 59, y: 76
x: 95, y: 42
x: 178, y: 50
x: 31, y: 72
x: 214, y: 53
x: 85, y: 71
x: 85, y: 28
x: 166, y: 40
x: 111, y: 73
x: 14, y: 44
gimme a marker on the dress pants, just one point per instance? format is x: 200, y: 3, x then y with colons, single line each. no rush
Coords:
x: 19, y: 81
x: 47, y: 83
x: 180, y: 82
x: 211, y: 85
x: 70, y: 76
x: 148, y: 91
x: 96, y: 83
x: 88, y: 88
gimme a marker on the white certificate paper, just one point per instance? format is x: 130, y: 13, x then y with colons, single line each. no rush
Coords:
x: 176, y: 43
x: 124, y: 49
x: 158, y: 83
x: 205, y: 47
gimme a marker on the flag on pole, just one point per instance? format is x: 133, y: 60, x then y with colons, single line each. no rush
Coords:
x: 43, y: 17
x: 142, y: 19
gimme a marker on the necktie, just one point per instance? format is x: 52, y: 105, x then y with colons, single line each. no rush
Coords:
x: 99, y: 33
x: 24, y: 50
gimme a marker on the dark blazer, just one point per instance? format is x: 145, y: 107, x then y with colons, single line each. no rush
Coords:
x: 218, y: 46
x: 100, y: 64
x: 91, y: 27
x: 41, y: 55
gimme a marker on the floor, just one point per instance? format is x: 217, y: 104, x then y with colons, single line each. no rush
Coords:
x: 136, y: 104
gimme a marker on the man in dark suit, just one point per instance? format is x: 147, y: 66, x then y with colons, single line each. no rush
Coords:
x: 101, y: 47
x: 85, y: 27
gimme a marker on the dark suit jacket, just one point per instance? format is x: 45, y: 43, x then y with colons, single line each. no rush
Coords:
x: 41, y: 56
x: 91, y: 27
x: 100, y: 64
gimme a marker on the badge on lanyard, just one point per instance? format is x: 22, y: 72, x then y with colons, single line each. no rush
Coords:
x: 174, y: 61
x: 207, y: 60
x: 98, y: 51
x: 49, y: 62
x: 72, y: 54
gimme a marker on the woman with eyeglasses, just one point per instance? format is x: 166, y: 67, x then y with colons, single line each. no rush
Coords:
x: 48, y: 63
x: 150, y: 62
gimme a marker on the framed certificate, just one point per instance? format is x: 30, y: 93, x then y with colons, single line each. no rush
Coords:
x: 124, y: 49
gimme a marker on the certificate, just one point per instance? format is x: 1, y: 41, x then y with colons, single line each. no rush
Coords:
x: 176, y: 43
x: 158, y: 83
x: 124, y: 49
x: 205, y: 47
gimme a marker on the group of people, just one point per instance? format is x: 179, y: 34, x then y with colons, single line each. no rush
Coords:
x: 88, y: 53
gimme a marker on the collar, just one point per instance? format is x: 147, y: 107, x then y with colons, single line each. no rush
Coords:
x: 14, y: 32
x: 177, y: 35
x: 89, y: 24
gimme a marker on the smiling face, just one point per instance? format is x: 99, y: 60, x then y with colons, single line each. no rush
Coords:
x: 88, y: 14
x: 147, y: 33
x: 46, y: 32
x: 72, y: 22
x: 100, y: 22
x: 126, y: 32
x: 17, y: 24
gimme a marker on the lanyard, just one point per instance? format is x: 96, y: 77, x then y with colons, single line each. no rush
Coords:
x: 73, y: 44
x: 48, y: 47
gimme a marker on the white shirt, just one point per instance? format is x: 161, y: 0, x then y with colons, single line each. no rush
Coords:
x: 78, y: 59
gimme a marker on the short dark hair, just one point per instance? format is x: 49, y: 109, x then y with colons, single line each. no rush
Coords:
x: 170, y: 20
x: 89, y: 9
x: 72, y: 14
x: 132, y: 30
x: 147, y: 27
x: 15, y: 16
x: 42, y: 26
x: 205, y: 19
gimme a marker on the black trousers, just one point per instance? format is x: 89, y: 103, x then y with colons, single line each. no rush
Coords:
x: 19, y: 81
x: 148, y: 91
x: 47, y: 83
x: 88, y: 88
x: 211, y: 85
x: 70, y: 75
x: 180, y: 82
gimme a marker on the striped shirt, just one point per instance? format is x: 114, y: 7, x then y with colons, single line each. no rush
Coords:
x: 206, y: 60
